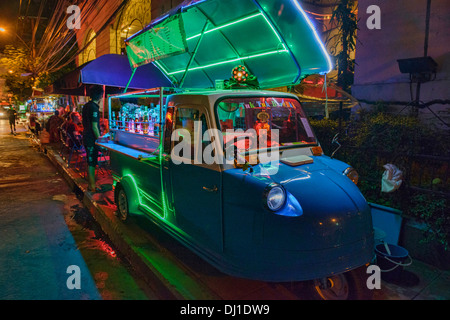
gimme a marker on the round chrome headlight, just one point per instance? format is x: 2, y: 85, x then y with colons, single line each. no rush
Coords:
x: 275, y: 197
x: 352, y: 175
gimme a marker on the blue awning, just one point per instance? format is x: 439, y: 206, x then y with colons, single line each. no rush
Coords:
x: 112, y: 71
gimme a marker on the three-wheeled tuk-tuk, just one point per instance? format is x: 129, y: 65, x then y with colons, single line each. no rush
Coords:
x: 232, y: 171
x: 296, y: 215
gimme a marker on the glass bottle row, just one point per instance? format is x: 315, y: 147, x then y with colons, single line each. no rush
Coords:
x: 140, y: 120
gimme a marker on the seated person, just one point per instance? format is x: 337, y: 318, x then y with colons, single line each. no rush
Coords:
x: 34, y: 125
x: 72, y: 127
x: 53, y: 125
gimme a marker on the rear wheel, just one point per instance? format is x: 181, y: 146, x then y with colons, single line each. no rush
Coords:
x: 122, y: 204
x: 345, y: 286
x: 332, y: 288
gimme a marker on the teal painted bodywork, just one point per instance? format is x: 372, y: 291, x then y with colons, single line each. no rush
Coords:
x: 332, y: 235
x: 231, y: 229
x: 218, y: 211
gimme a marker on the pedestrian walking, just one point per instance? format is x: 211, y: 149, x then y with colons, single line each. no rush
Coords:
x: 12, y: 113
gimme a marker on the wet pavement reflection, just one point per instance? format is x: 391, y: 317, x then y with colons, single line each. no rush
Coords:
x: 44, y: 228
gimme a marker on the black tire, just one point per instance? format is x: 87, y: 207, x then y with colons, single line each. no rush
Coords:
x: 121, y: 200
x: 351, y: 285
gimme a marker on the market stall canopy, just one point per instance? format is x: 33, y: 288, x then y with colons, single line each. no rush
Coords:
x: 201, y: 41
x: 112, y: 71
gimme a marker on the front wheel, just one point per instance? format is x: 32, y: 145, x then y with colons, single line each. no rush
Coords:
x: 351, y: 285
x: 122, y: 204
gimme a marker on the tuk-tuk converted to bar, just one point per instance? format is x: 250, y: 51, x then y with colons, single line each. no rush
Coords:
x: 293, y: 217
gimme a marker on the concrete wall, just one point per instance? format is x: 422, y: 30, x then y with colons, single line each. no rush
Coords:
x: 402, y: 35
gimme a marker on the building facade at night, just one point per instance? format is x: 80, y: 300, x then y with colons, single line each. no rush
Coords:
x: 403, y: 35
x: 109, y: 22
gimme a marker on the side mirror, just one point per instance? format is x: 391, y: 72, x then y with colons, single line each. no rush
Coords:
x: 335, y: 141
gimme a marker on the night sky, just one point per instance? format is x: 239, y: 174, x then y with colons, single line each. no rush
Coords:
x: 9, y: 10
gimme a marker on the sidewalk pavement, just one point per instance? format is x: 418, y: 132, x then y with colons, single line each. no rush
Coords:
x: 37, y: 249
x: 177, y: 274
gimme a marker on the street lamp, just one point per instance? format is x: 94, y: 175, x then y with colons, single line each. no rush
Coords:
x: 4, y: 30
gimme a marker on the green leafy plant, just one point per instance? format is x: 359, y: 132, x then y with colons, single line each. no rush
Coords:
x: 378, y: 138
x: 432, y: 210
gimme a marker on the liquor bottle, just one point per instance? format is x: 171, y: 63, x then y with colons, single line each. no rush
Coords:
x: 127, y: 123
x: 138, y: 119
x: 145, y: 125
x: 113, y: 120
x: 119, y: 121
x: 156, y: 121
x: 150, y: 124
x: 136, y: 123
x: 130, y: 123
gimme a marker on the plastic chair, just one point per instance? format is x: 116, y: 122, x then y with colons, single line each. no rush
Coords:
x: 103, y: 160
x: 77, y: 148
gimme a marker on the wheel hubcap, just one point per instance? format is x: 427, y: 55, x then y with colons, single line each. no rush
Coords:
x: 123, y: 205
x: 333, y: 288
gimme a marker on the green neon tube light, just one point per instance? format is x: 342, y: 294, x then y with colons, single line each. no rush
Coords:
x: 232, y: 60
x: 226, y: 25
x: 161, y: 67
x: 283, y: 50
x: 141, y: 204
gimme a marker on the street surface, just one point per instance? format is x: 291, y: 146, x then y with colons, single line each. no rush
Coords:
x: 44, y: 230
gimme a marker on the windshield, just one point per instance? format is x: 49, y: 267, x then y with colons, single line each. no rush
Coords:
x: 279, y: 121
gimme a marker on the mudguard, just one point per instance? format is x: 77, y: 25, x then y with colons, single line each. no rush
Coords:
x: 129, y: 185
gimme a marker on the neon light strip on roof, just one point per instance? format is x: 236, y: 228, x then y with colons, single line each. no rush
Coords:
x: 225, y: 25
x: 322, y: 47
x: 227, y: 61
x: 236, y: 59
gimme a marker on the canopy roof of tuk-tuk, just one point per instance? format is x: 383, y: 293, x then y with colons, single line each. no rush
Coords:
x: 110, y: 70
x: 201, y: 41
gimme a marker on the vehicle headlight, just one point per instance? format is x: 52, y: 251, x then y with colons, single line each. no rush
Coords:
x: 352, y: 175
x: 275, y: 197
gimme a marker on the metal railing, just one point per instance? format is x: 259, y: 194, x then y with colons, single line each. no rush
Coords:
x: 424, y: 173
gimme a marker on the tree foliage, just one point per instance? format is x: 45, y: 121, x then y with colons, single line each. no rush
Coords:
x: 344, y: 18
x: 46, y: 50
x: 19, y: 76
